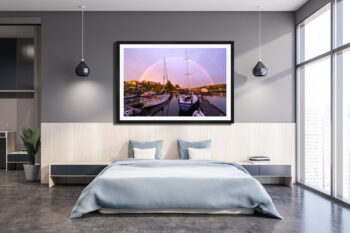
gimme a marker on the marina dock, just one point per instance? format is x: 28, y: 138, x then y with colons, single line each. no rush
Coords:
x: 133, y: 106
x: 209, y: 109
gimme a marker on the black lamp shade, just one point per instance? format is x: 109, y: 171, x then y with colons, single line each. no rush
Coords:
x: 260, y: 69
x: 82, y: 69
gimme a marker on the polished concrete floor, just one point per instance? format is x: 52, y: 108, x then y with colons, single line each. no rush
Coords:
x: 32, y: 207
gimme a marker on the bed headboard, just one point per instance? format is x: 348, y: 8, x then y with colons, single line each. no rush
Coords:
x: 97, y: 142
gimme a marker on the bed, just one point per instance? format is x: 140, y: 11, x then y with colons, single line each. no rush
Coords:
x: 174, y: 186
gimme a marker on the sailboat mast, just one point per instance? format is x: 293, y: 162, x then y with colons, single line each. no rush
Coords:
x: 188, y: 70
x: 165, y: 72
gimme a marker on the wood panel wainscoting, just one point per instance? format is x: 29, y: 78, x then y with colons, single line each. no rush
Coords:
x: 106, y: 142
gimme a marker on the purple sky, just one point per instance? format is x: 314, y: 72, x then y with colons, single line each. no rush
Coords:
x: 207, y: 65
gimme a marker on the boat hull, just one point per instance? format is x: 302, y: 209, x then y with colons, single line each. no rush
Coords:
x: 186, y: 106
x: 154, y: 100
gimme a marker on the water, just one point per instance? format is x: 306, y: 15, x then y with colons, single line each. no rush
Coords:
x: 171, y: 107
x: 218, y: 100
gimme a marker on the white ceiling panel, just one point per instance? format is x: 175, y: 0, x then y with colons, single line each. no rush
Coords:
x: 150, y: 5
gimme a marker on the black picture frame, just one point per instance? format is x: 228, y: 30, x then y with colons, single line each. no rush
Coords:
x: 117, y: 81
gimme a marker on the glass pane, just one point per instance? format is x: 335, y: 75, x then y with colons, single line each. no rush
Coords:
x: 317, y: 119
x: 314, y: 35
x: 342, y: 59
x: 342, y: 19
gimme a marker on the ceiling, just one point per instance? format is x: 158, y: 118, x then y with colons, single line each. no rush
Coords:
x: 151, y: 5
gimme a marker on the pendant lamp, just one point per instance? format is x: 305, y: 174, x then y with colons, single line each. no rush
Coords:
x: 260, y: 69
x: 82, y: 69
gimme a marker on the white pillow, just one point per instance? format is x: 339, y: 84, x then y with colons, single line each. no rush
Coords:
x: 199, y: 154
x: 149, y: 153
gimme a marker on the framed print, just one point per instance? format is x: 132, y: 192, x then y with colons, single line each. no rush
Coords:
x: 174, y: 82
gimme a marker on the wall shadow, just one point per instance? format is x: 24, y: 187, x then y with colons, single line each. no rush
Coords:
x: 240, y: 91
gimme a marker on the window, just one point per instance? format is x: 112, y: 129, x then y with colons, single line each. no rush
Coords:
x: 342, y: 22
x: 315, y: 35
x: 323, y: 100
x: 317, y: 118
x: 346, y: 128
x: 343, y: 155
x: 314, y: 78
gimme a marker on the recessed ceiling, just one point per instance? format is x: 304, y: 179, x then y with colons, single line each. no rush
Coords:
x: 151, y: 5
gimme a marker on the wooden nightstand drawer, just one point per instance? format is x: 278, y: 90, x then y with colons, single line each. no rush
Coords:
x: 270, y: 173
x: 275, y: 170
x: 254, y: 170
x: 76, y: 170
x: 16, y: 158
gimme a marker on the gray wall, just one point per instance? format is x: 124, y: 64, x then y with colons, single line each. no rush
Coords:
x: 67, y: 98
x: 308, y: 9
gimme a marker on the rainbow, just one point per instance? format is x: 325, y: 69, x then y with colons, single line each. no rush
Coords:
x: 160, y: 62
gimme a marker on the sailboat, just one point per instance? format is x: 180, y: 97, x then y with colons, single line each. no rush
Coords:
x: 187, y: 99
x: 151, y: 99
x: 198, y: 113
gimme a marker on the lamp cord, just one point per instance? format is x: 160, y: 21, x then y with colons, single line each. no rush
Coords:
x: 82, y: 33
x: 259, y: 32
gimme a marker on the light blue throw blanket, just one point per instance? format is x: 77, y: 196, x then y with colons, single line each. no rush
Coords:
x: 174, y: 184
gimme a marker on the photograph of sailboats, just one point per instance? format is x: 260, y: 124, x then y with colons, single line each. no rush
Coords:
x: 174, y: 82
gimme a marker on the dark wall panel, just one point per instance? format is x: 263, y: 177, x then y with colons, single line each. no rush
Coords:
x: 16, y: 63
x: 25, y: 64
x: 8, y: 63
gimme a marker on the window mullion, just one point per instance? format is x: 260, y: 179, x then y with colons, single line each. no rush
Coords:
x: 339, y: 126
x: 334, y: 132
x: 333, y: 106
x: 301, y: 125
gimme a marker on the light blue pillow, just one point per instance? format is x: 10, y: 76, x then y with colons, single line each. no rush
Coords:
x: 146, y: 145
x: 184, y: 145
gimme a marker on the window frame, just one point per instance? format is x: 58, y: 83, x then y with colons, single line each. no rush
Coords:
x: 336, y: 105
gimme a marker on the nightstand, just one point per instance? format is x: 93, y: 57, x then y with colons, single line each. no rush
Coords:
x: 74, y: 170
x: 270, y: 173
x: 7, y: 145
x: 17, y: 157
